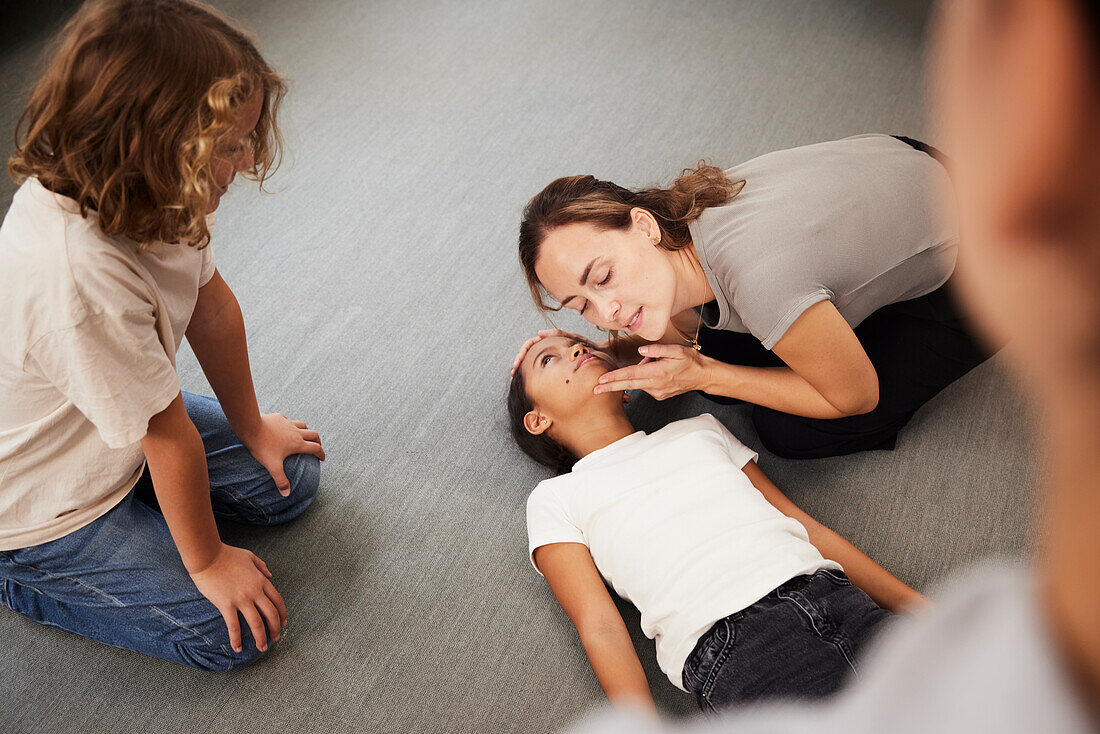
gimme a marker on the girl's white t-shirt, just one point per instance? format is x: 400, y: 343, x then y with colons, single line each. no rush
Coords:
x: 89, y: 328
x: 676, y: 527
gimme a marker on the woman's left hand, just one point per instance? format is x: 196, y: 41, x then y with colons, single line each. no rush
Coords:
x: 277, y: 438
x: 667, y: 370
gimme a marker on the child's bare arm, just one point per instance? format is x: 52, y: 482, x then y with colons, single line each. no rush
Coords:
x: 886, y: 589
x: 216, y: 335
x: 572, y: 575
x: 233, y: 579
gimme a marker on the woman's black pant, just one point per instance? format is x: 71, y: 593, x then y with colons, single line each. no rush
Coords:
x: 918, y: 347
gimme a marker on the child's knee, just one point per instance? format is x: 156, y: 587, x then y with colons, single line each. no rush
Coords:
x: 219, y: 658
x: 262, y: 504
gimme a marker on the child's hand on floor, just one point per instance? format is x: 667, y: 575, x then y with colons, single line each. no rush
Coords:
x: 238, y: 581
x: 277, y: 438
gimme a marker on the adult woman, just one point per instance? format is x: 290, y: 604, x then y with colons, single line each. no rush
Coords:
x: 812, y: 282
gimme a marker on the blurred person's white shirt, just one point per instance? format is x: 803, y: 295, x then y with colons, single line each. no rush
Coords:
x: 982, y: 661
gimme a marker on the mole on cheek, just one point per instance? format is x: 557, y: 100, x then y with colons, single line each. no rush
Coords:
x: 567, y: 382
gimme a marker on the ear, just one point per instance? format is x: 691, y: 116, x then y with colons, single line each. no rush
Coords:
x: 536, y: 423
x: 644, y: 221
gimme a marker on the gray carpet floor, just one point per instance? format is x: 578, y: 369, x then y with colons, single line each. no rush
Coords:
x: 384, y: 303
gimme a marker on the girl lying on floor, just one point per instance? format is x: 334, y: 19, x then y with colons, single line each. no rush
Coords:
x: 745, y: 594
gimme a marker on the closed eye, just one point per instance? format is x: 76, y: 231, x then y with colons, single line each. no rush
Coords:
x: 234, y: 147
x: 606, y: 278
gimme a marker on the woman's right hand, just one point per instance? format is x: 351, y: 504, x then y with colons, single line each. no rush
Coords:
x: 543, y: 334
x: 238, y: 581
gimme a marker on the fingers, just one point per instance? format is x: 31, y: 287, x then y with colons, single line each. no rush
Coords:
x: 271, y: 616
x: 261, y: 565
x: 234, y: 627
x: 273, y: 596
x: 621, y: 373
x: 277, y: 599
x: 314, y: 449
x: 661, y: 351
x: 311, y: 444
x: 646, y: 372
x: 523, y: 351
x: 636, y: 384
x: 256, y: 624
x: 542, y: 334
x: 281, y: 482
x: 650, y: 377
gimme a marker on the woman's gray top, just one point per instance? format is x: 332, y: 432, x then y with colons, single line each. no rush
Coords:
x: 863, y: 222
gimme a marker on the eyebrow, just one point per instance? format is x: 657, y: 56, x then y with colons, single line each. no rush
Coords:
x: 582, y: 281
x: 535, y: 362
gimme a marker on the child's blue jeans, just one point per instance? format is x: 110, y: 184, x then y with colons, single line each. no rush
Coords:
x: 120, y: 580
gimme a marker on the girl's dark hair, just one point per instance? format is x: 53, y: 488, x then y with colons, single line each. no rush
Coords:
x: 607, y: 205
x: 541, y: 448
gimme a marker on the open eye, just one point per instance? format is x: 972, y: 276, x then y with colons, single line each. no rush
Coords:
x: 546, y: 359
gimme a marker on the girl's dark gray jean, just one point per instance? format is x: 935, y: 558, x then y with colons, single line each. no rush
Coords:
x: 802, y: 640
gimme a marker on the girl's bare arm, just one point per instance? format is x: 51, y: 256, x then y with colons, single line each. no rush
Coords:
x: 578, y: 587
x: 887, y: 590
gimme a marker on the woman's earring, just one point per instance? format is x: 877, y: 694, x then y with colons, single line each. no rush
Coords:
x: 657, y: 240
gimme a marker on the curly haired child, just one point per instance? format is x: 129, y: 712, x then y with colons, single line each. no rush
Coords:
x: 145, y: 114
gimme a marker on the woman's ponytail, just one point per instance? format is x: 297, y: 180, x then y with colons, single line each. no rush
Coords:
x: 696, y: 189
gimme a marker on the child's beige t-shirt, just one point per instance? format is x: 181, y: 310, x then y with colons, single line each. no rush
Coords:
x: 89, y: 329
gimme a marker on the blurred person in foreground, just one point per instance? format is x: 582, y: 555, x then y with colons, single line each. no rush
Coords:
x: 1009, y: 649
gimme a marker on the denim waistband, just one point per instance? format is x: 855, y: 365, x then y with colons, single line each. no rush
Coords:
x: 794, y: 584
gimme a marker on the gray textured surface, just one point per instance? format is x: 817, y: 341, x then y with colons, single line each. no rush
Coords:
x: 384, y: 304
